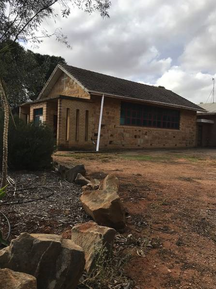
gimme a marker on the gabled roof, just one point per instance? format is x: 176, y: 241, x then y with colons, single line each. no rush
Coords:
x: 95, y: 82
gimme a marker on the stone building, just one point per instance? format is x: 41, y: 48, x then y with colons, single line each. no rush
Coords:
x: 88, y: 110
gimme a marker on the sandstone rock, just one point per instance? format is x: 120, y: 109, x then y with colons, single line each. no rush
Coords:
x: 71, y: 174
x: 56, y: 263
x: 81, y: 180
x: 110, y: 184
x: 104, y: 205
x: 92, y: 185
x: 93, y: 239
x: 16, y: 280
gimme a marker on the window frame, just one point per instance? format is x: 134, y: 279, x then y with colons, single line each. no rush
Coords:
x: 133, y: 114
x: 38, y: 115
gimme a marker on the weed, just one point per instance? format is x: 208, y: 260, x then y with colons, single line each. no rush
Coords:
x: 107, y: 271
x: 147, y: 158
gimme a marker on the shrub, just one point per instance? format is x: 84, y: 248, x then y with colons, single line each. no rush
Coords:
x: 30, y: 146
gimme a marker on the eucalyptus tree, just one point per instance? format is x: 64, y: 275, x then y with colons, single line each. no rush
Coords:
x: 21, y: 19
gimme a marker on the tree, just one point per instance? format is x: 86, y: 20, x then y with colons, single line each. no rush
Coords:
x: 24, y: 72
x: 21, y: 19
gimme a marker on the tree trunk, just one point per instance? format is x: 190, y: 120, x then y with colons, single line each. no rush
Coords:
x: 5, y: 134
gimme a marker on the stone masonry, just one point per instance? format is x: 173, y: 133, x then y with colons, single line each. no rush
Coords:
x: 73, y: 133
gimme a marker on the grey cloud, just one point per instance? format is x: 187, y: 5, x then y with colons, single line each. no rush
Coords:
x: 142, y: 41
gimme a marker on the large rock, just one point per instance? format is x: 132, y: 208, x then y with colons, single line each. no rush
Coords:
x: 71, y: 174
x: 104, y: 205
x: 92, y: 185
x: 62, y: 170
x: 56, y: 263
x: 81, y: 180
x: 94, y: 240
x: 16, y: 280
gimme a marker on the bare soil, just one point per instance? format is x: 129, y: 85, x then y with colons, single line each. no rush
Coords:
x: 170, y: 203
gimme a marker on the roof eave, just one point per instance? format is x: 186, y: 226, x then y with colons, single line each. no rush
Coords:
x: 144, y: 101
x: 203, y: 113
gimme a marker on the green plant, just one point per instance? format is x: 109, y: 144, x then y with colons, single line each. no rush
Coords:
x: 30, y: 146
x: 3, y: 192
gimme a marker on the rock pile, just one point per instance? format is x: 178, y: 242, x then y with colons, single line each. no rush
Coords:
x: 46, y: 261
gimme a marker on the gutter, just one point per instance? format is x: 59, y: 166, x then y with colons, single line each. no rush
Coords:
x: 55, y: 98
x: 203, y: 120
x: 145, y: 101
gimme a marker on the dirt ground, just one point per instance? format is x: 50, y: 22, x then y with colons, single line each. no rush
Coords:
x: 170, y: 202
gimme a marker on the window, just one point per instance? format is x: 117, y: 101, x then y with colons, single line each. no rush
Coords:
x: 67, y: 124
x: 77, y: 126
x: 38, y: 115
x: 86, y: 124
x: 149, y: 116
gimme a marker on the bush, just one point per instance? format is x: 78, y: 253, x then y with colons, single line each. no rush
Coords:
x: 30, y: 146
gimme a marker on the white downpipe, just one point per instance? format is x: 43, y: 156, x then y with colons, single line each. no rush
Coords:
x: 100, y: 122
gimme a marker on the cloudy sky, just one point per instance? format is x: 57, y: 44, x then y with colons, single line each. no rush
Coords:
x: 158, y: 42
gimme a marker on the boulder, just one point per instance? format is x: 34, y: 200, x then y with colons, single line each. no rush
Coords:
x: 56, y: 263
x: 16, y: 280
x: 92, y: 185
x: 104, y: 204
x: 110, y: 184
x: 71, y: 174
x: 93, y: 239
x: 62, y: 170
x: 81, y: 180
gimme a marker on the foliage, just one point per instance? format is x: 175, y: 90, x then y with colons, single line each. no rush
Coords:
x: 3, y: 192
x: 20, y: 20
x: 24, y: 72
x: 30, y: 146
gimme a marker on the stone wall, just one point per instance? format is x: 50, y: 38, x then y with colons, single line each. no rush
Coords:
x: 78, y: 134
x: 52, y: 110
x: 116, y: 136
x: 36, y: 106
x: 122, y: 136
x: 68, y: 87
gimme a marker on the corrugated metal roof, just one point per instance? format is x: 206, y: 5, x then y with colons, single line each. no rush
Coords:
x: 210, y: 107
